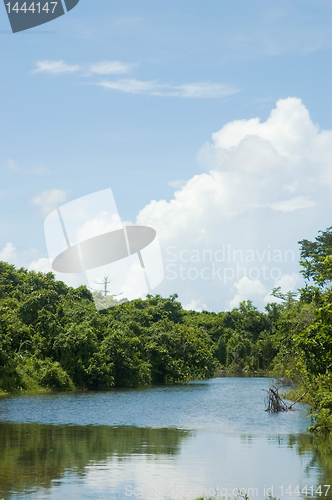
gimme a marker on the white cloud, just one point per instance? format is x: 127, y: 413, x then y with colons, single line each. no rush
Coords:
x: 42, y: 265
x: 191, y: 90
x: 130, y: 86
x: 177, y: 184
x: 13, y: 165
x: 251, y: 166
x: 98, y: 68
x: 290, y: 188
x: 55, y: 67
x: 204, y: 90
x: 47, y: 201
x: 196, y: 90
x: 293, y: 204
x: 283, y: 163
x: 288, y: 129
x: 110, y: 68
x: 247, y: 289
x: 8, y: 253
x: 287, y: 283
x: 195, y: 305
x: 103, y: 223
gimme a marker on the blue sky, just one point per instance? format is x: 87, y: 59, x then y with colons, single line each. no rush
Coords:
x: 127, y: 94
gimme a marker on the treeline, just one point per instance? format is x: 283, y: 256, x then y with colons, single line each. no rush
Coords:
x: 304, y: 332
x: 52, y: 337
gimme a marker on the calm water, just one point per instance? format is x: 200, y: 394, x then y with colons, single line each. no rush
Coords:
x: 172, y: 442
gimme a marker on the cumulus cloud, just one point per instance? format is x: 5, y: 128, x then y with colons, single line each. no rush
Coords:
x: 266, y: 185
x: 42, y: 265
x: 287, y: 283
x: 102, y: 223
x: 8, y: 253
x: 293, y: 204
x: 251, y: 164
x: 55, y: 67
x: 287, y: 129
x: 247, y: 289
x: 195, y: 305
x: 190, y: 90
x: 49, y: 200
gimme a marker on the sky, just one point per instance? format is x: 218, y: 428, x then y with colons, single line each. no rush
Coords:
x: 210, y: 121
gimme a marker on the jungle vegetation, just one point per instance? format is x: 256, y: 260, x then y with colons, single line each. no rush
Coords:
x: 52, y: 337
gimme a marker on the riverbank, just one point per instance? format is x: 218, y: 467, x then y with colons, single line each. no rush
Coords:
x: 317, y: 393
x: 201, y: 434
x: 53, y: 339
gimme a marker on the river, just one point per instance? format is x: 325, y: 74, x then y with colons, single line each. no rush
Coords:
x: 182, y: 441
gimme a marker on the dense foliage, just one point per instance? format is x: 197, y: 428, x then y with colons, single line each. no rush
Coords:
x: 52, y: 337
x: 304, y: 332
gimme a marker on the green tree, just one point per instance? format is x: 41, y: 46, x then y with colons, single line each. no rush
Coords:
x: 316, y: 258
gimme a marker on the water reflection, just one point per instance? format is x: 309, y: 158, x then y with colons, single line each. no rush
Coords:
x: 54, y: 462
x: 32, y: 455
x: 173, y: 442
x: 320, y: 450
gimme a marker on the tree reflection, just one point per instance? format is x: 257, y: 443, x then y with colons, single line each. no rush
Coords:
x: 319, y: 448
x: 32, y: 455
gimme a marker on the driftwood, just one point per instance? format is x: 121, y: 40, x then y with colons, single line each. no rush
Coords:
x: 274, y: 402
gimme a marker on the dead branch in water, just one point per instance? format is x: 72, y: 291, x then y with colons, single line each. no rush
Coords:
x: 298, y: 399
x: 275, y: 403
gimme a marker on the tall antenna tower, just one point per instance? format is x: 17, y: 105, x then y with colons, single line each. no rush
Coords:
x: 105, y: 283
